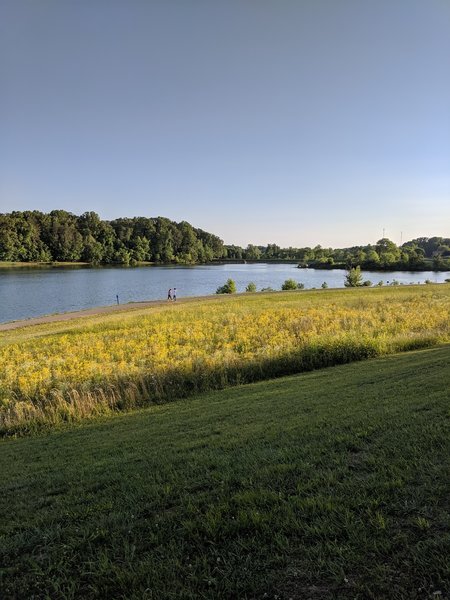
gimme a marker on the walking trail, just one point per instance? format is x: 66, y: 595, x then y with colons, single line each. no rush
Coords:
x: 90, y: 312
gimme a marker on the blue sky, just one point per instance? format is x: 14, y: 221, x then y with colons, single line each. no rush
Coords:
x: 294, y: 122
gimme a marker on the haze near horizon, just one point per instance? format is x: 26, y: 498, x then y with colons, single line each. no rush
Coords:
x: 298, y: 123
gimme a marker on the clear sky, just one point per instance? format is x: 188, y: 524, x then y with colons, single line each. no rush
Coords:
x: 289, y: 121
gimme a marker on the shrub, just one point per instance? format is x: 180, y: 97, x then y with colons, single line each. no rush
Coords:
x: 367, y: 283
x: 324, y: 285
x: 300, y: 286
x: 289, y: 284
x: 228, y: 288
x: 251, y: 287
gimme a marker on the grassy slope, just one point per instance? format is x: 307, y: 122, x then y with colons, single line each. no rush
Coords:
x: 330, y: 484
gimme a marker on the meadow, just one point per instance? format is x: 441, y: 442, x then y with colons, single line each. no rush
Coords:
x: 325, y: 485
x: 68, y: 372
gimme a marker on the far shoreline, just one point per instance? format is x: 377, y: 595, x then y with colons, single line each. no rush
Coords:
x: 319, y: 267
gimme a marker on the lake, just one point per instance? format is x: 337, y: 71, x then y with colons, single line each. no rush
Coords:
x: 31, y: 292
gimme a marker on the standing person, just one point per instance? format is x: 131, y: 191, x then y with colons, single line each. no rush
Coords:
x: 174, y: 295
x: 117, y: 298
x: 169, y: 294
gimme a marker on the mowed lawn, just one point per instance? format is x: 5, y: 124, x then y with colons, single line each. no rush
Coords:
x: 329, y: 484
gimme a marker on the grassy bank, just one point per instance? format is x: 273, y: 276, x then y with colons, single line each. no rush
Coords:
x: 59, y: 372
x: 11, y: 265
x: 331, y: 484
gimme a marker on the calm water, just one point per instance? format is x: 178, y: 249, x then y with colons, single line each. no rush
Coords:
x: 38, y: 291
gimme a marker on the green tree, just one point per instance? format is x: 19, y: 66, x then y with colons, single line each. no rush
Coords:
x: 372, y: 257
x: 122, y: 256
x: 252, y: 252
x: 92, y: 250
x: 61, y: 236
x: 141, y: 250
x: 388, y: 252
x: 228, y: 288
x: 251, y: 287
x: 353, y: 277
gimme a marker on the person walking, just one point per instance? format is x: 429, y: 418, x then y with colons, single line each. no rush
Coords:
x: 174, y: 294
x: 169, y: 294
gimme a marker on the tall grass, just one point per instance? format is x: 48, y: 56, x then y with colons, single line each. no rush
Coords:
x: 127, y: 361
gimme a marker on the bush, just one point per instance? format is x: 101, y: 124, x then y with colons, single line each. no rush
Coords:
x: 289, y: 284
x: 367, y: 283
x: 251, y: 287
x: 228, y: 288
x: 324, y: 285
x: 267, y: 289
x: 300, y: 286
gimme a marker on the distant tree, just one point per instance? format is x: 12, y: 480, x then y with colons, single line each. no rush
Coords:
x: 353, y: 277
x: 251, y: 287
x: 233, y: 252
x: 62, y: 237
x: 439, y: 262
x: 367, y: 283
x: 122, y: 256
x: 372, y: 257
x: 300, y: 286
x: 272, y: 251
x: 324, y: 285
x: 388, y: 252
x: 252, y: 252
x: 92, y: 250
x: 141, y: 249
x: 228, y: 288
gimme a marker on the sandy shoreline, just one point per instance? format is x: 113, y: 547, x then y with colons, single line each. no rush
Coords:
x: 90, y: 312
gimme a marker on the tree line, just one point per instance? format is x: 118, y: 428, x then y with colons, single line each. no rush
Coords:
x: 415, y: 254
x: 33, y: 236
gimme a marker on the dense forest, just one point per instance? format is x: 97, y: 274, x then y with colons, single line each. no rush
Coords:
x: 60, y: 236
x: 32, y: 236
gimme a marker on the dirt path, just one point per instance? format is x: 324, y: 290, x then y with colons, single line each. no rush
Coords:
x: 69, y: 316
x: 90, y: 312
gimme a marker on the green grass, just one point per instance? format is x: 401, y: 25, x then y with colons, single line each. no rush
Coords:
x: 330, y: 484
x: 5, y: 264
